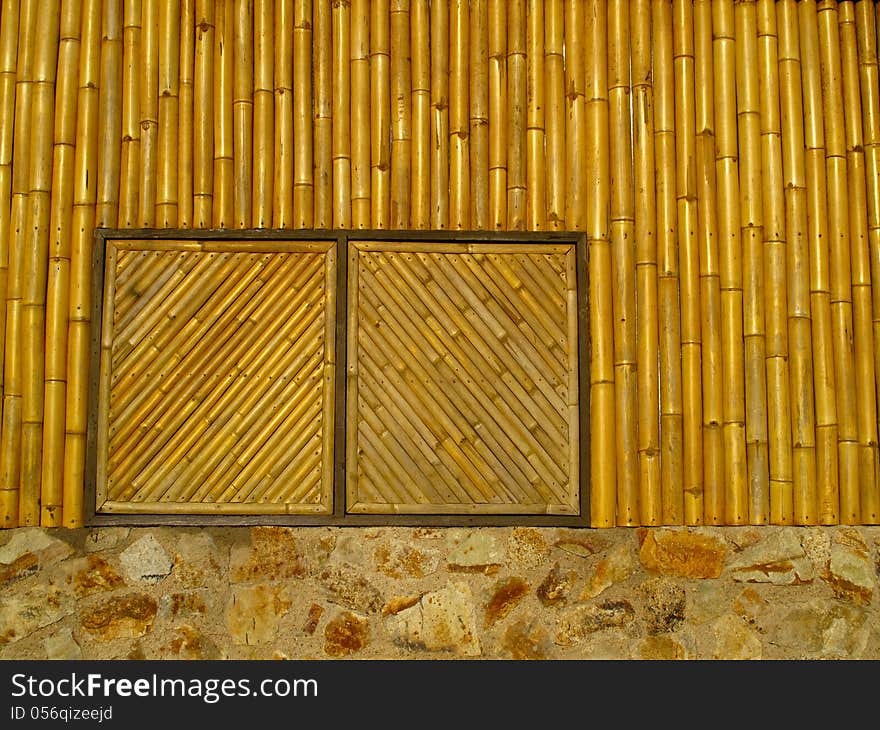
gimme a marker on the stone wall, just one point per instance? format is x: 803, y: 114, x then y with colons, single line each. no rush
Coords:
x: 522, y: 593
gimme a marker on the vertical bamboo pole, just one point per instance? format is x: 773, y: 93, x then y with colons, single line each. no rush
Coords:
x: 362, y: 69
x: 554, y: 104
x: 440, y: 114
x: 322, y: 120
x: 869, y: 90
x: 13, y: 379
x: 420, y: 185
x: 58, y: 275
x: 185, y: 107
x: 603, y: 484
x: 498, y: 114
x: 282, y: 201
x: 516, y: 115
x: 169, y: 101
x: 459, y: 123
x: 149, y: 112
x: 129, y: 173
x: 303, y: 176
x: 380, y: 91
x: 752, y: 237
x: 35, y: 268
x: 264, y: 114
x: 85, y: 186
x: 9, y: 17
x: 478, y: 65
x: 798, y: 267
x: 710, y: 276
x: 863, y: 335
x: 224, y: 18
x: 828, y: 493
x: 622, y: 207
x: 203, y: 113
x: 730, y: 249
x: 840, y: 264
x: 243, y: 113
x: 536, y: 168
x: 775, y: 275
x: 647, y: 360
x: 671, y: 412
x: 341, y: 98
x: 689, y: 261
x: 401, y: 114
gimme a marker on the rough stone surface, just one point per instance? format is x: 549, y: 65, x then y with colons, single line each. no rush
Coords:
x: 427, y: 592
x: 778, y: 559
x: 253, y: 612
x: 685, y: 553
x: 146, y: 561
x: 346, y: 634
x: 441, y: 620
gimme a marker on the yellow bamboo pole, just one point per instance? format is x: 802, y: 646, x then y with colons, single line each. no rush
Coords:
x: 554, y: 102
x: 689, y: 263
x: 401, y: 114
x: 498, y: 114
x: 730, y: 263
x: 647, y: 360
x: 149, y: 112
x: 129, y: 175
x: 185, y: 115
x: 775, y: 275
x: 303, y: 176
x: 710, y: 277
x: 575, y: 119
x: 9, y: 18
x: 362, y: 106
x: 459, y: 123
x: 478, y: 66
x: 798, y: 268
x: 341, y: 102
x: 203, y: 113
x: 380, y: 107
x: 78, y: 304
x: 536, y: 168
x: 58, y: 266
x: 322, y: 119
x: 440, y: 115
x: 863, y: 335
x: 11, y: 436
x: 223, y: 174
x: 282, y: 205
x: 264, y: 115
x: 243, y: 113
x: 516, y: 115
x: 420, y: 185
x: 603, y: 484
x: 671, y: 411
x: 168, y: 106
x: 869, y: 90
x: 828, y: 492
x: 35, y: 261
x: 752, y: 237
x: 847, y: 510
x: 622, y: 208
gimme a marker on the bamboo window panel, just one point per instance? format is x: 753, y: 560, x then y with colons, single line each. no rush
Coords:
x: 462, y: 378
x: 216, y: 384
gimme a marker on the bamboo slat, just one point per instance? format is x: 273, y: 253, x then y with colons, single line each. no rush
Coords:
x: 401, y: 114
x: 58, y: 267
x: 203, y: 113
x: 478, y: 97
x: 710, y: 280
x: 169, y: 114
x: 459, y: 118
x: 340, y: 83
x: 282, y: 200
x: 497, y: 45
x: 130, y: 155
x: 148, y: 71
x: 517, y: 90
x: 647, y: 362
x: 365, y: 63
x: 322, y: 112
x: 303, y: 175
x: 222, y: 115
x: 689, y: 264
x: 380, y: 108
x: 668, y: 285
x: 243, y: 113
x: 420, y: 191
x: 536, y: 169
x: 264, y: 115
x: 554, y: 104
x: 439, y: 45
x: 185, y: 115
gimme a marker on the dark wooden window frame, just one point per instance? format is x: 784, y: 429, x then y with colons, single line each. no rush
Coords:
x: 339, y: 517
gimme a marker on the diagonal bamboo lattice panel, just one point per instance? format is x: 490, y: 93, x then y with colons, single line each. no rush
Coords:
x: 462, y: 379
x: 217, y: 378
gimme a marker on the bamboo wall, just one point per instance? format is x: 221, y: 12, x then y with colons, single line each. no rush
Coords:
x: 722, y: 157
